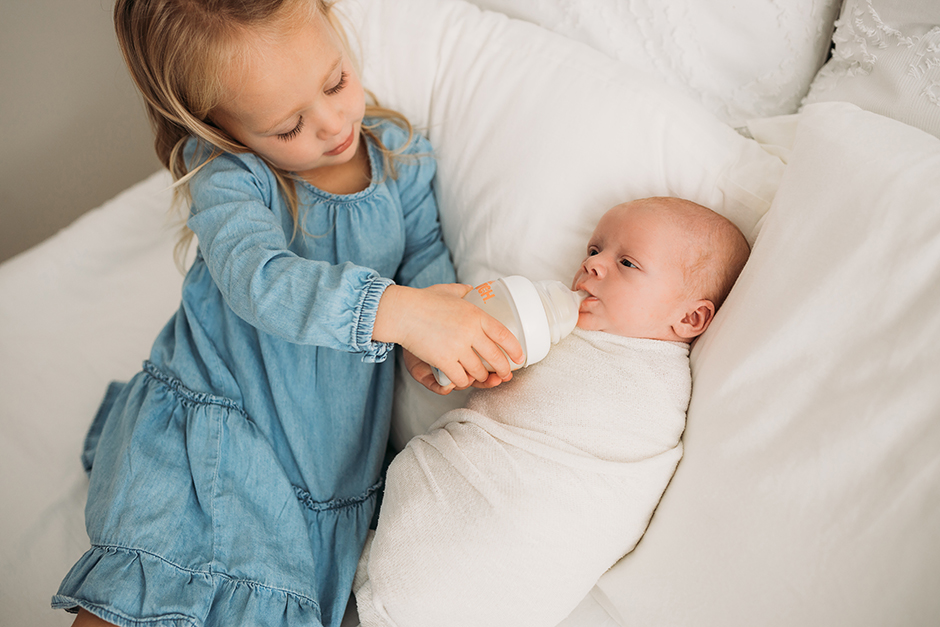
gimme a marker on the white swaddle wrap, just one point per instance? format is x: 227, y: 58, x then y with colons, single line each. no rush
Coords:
x: 507, y: 512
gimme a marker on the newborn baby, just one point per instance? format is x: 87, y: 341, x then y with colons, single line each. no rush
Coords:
x: 508, y: 511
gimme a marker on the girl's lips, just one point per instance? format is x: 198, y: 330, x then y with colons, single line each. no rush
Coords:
x: 342, y: 147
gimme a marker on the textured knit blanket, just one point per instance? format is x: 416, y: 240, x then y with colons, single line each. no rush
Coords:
x: 507, y: 512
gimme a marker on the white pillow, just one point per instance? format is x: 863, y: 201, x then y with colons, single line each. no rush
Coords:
x: 536, y: 136
x: 740, y: 59
x: 809, y: 493
x: 887, y: 60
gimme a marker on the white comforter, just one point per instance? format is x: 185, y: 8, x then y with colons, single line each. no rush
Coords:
x: 507, y: 512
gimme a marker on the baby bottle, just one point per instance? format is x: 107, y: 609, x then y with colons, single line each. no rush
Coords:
x: 538, y: 313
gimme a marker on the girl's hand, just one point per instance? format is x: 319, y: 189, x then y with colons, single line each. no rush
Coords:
x: 441, y: 329
x: 424, y: 375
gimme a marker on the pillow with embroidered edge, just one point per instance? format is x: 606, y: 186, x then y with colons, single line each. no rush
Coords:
x: 886, y: 59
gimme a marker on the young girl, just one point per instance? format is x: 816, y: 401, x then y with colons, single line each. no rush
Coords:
x: 234, y: 478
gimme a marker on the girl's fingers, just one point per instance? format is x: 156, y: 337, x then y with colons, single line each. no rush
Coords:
x: 457, y: 375
x: 473, y: 371
x: 491, y: 381
x: 474, y: 368
x: 494, y: 356
x: 423, y: 374
x: 499, y: 334
x: 498, y: 347
x: 431, y: 383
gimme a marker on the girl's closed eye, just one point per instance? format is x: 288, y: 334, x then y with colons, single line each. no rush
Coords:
x: 294, y: 132
x: 338, y: 87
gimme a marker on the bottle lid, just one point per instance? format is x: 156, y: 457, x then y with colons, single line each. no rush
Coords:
x: 532, y: 318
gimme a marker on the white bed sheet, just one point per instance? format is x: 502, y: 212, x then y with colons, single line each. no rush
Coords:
x: 77, y: 311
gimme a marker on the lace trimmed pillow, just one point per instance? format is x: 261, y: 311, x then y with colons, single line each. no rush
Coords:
x: 886, y: 60
x: 741, y: 60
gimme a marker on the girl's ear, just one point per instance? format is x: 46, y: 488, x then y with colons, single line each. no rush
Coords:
x: 696, y: 320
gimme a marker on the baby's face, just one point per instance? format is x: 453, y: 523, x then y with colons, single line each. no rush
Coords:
x: 633, y: 274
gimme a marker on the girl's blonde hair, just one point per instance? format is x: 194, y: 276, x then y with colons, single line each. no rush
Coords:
x: 178, y: 50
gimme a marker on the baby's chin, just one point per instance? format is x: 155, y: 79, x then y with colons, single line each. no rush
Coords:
x: 589, y: 322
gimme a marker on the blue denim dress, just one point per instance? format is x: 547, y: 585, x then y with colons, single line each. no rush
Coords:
x: 233, y: 480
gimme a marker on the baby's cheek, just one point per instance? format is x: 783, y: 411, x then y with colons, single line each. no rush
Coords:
x: 574, y: 281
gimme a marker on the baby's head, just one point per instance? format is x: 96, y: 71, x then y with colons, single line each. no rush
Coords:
x: 658, y: 268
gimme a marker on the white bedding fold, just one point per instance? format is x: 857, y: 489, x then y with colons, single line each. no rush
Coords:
x: 507, y: 512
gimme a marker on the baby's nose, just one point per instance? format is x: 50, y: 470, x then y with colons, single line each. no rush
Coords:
x: 593, y: 265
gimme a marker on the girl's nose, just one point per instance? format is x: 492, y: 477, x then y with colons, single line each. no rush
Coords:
x: 330, y: 122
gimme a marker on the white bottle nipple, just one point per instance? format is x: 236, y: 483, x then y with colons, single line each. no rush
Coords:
x: 561, y: 307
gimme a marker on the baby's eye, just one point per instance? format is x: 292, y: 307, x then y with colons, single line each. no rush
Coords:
x: 627, y: 263
x: 592, y: 251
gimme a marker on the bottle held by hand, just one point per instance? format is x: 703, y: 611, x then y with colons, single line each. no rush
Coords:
x: 538, y: 313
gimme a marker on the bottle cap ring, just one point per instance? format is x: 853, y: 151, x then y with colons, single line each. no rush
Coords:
x: 537, y: 338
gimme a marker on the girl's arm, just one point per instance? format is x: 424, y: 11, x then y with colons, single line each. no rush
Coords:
x: 247, y: 253
x: 340, y: 306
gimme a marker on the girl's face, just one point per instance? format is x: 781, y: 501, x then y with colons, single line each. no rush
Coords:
x: 297, y: 101
x: 633, y: 275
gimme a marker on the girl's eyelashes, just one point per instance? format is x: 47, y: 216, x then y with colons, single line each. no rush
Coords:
x: 294, y: 132
x: 339, y: 86
x: 627, y: 263
x: 335, y: 89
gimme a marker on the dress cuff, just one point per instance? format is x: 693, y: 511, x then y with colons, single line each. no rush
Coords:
x: 373, y: 352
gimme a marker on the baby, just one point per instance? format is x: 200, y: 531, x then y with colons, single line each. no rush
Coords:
x: 508, y: 511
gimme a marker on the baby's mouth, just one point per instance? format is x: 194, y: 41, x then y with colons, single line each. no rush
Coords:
x: 581, y: 288
x: 588, y: 296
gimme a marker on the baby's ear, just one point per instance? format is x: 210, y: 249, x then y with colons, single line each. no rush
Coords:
x: 696, y: 320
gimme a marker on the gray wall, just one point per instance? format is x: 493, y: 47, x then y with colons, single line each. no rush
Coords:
x: 73, y: 131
